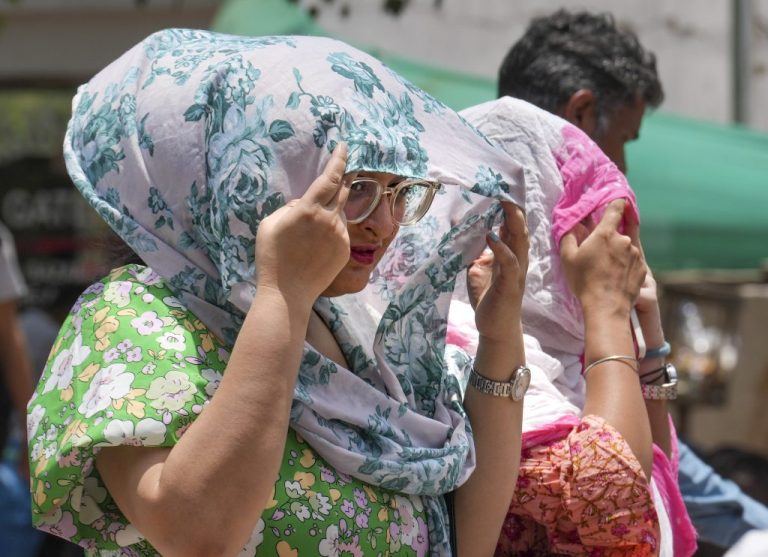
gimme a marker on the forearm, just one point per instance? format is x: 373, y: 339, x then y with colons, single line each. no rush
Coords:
x: 15, y: 364
x: 658, y: 412
x: 482, y: 502
x: 220, y: 474
x: 613, y: 387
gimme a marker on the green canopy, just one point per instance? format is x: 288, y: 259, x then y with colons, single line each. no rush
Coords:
x: 703, y: 188
x: 264, y: 17
x: 703, y: 193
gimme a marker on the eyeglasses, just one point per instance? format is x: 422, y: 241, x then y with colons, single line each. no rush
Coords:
x: 409, y: 199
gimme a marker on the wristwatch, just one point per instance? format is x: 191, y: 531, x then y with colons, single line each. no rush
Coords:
x: 515, y: 388
x: 666, y: 391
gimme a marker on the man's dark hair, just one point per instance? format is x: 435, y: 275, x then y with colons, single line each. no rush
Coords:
x: 564, y: 52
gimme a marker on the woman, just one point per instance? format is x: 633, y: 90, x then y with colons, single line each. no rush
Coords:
x: 595, y: 428
x: 177, y: 393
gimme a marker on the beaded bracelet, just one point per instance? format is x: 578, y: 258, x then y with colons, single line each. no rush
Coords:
x: 660, y: 352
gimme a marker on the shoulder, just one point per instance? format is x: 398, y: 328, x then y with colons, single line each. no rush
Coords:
x: 518, y: 127
x: 129, y: 330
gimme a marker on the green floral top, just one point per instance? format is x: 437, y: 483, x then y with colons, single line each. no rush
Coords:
x: 132, y: 366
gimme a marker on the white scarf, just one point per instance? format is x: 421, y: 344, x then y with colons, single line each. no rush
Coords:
x: 189, y: 139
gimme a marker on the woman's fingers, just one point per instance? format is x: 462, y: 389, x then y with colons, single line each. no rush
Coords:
x: 503, y: 256
x: 613, y: 215
x: 569, y: 244
x: 342, y: 194
x: 325, y: 190
x: 514, y: 233
x: 479, y: 275
x: 632, y: 229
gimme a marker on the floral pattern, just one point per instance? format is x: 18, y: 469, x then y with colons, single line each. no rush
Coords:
x: 253, y: 123
x: 583, y: 495
x: 111, y: 402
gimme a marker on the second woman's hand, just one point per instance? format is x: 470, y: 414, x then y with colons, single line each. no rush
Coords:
x: 302, y: 246
x: 496, y: 280
x: 604, y: 268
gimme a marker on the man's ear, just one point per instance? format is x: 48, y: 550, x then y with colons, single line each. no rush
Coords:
x: 580, y: 111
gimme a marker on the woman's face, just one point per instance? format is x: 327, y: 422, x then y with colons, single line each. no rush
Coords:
x: 368, y: 241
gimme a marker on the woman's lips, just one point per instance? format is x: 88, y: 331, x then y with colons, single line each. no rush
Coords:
x: 363, y: 254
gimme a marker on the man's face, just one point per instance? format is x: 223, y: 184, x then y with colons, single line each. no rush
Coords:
x: 623, y: 126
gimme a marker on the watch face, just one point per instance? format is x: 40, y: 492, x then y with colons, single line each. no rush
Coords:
x: 521, y: 382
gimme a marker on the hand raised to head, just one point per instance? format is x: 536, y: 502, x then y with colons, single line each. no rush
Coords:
x: 301, y: 247
x: 496, y: 280
x: 604, y: 268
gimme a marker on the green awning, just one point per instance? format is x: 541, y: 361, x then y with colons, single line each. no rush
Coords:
x: 703, y: 188
x: 264, y: 17
x: 703, y: 193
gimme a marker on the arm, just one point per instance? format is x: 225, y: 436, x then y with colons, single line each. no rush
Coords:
x: 16, y: 367
x: 189, y: 499
x: 605, y: 271
x: 650, y: 320
x: 482, y: 502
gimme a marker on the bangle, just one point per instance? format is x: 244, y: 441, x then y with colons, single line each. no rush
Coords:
x: 657, y: 374
x: 659, y: 352
x: 616, y: 358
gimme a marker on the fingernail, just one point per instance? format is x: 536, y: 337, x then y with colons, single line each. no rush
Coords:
x: 493, y: 236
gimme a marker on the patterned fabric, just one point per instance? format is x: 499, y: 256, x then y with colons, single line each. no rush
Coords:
x: 191, y: 138
x: 584, y: 495
x: 132, y: 366
x: 567, y: 177
x: 590, y: 182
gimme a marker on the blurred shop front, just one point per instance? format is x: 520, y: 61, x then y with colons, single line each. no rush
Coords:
x: 62, y: 244
x: 717, y: 324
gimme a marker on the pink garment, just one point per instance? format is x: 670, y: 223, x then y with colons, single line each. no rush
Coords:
x: 584, y: 494
x: 568, y: 178
x: 665, y: 472
x: 664, y: 475
x: 590, y: 181
x: 549, y: 433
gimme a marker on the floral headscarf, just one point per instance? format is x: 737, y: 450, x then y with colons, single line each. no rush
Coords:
x: 191, y: 138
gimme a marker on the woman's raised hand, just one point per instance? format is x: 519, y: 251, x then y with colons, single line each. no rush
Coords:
x: 301, y: 247
x: 496, y: 280
x: 604, y: 268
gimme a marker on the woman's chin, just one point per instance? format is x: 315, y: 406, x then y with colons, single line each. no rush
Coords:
x: 349, y: 281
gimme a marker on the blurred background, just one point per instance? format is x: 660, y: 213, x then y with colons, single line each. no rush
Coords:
x: 700, y: 167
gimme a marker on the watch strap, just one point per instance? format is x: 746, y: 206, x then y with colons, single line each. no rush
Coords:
x: 668, y: 391
x: 501, y: 388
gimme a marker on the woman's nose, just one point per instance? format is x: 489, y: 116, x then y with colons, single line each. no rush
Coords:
x: 381, y: 221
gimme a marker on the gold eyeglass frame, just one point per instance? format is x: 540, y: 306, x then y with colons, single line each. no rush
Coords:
x: 383, y: 190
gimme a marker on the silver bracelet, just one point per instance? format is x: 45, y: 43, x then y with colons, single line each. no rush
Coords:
x: 615, y: 358
x: 667, y: 391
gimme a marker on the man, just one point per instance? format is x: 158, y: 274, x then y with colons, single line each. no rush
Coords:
x: 16, y: 386
x: 585, y: 69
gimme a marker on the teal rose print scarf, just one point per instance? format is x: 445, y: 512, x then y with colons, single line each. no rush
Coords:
x: 186, y: 142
